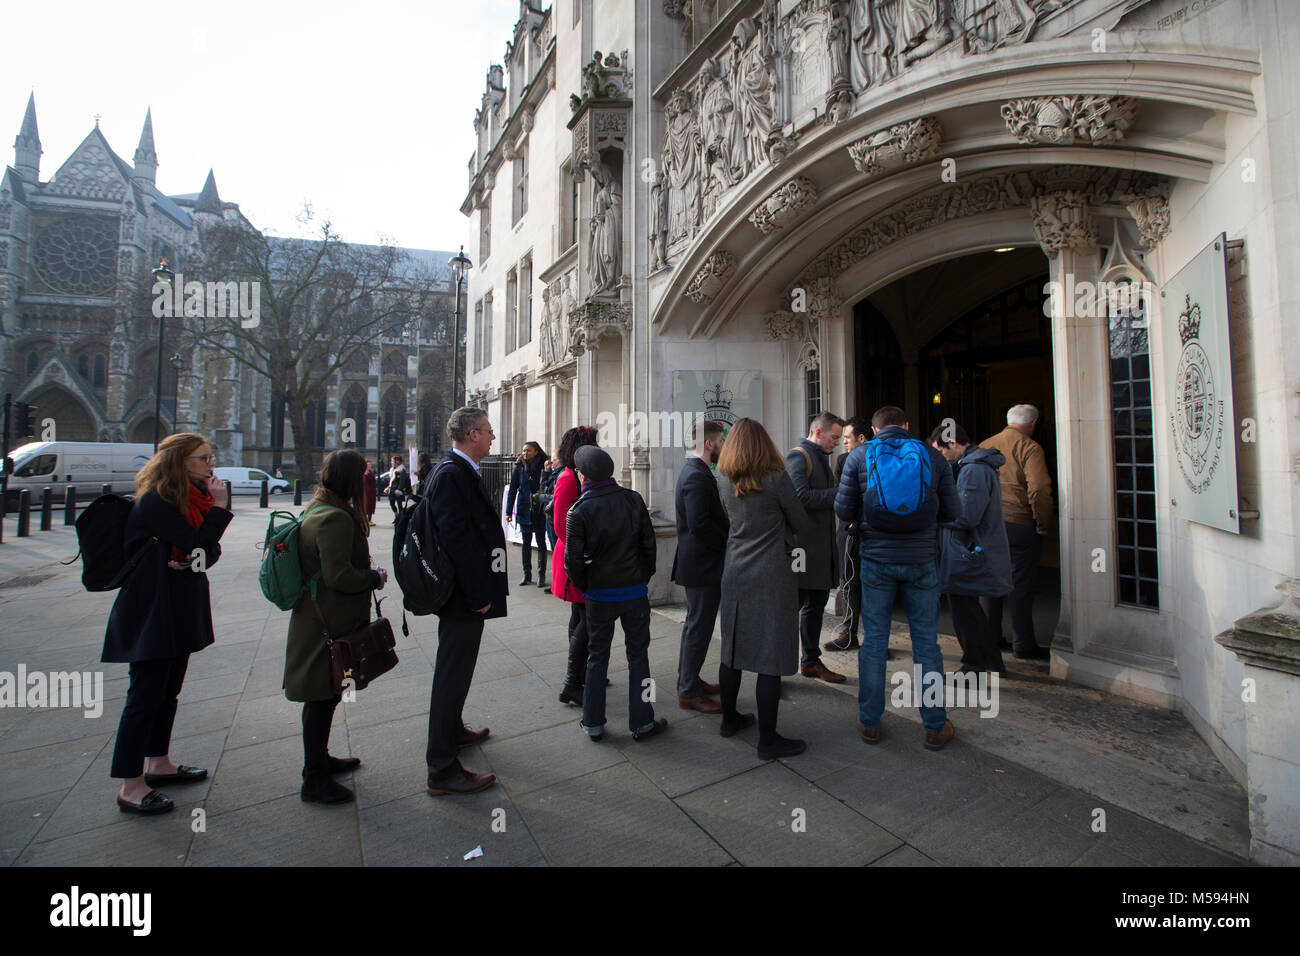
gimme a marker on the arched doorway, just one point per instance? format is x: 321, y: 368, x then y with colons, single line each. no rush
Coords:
x: 71, y: 419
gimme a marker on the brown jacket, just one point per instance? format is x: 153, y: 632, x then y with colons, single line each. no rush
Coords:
x: 1026, y: 485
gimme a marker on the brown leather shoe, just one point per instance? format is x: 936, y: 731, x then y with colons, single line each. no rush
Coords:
x: 710, y: 688
x: 468, y: 736
x: 705, y: 705
x: 936, y: 741
x: 822, y: 672
x: 869, y: 736
x: 466, y: 782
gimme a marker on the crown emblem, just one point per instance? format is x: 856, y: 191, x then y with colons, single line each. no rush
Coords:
x: 717, y: 399
x: 1189, y: 321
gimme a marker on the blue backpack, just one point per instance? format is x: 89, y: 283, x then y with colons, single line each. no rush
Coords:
x: 898, y: 484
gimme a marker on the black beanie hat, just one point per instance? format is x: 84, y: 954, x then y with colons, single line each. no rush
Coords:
x: 595, y: 464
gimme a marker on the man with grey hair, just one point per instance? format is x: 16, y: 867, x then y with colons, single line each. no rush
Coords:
x: 1027, y: 513
x: 470, y: 534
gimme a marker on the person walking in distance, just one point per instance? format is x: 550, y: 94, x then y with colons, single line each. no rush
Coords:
x: 897, y: 491
x: 1027, y: 512
x: 399, y: 485
x: 522, y: 506
x: 760, y: 595
x: 609, y: 555
x: 856, y: 431
x: 974, y: 558
x: 815, y: 485
x: 331, y: 543
x: 421, y: 475
x: 371, y: 486
x: 702, y: 528
x: 163, y: 613
x: 566, y: 493
x: 469, y: 531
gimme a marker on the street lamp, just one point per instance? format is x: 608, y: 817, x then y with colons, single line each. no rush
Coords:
x: 177, y: 363
x: 460, y: 265
x: 161, y: 274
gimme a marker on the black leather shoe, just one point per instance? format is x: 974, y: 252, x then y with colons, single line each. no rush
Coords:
x: 1036, y: 654
x: 742, y: 721
x: 183, y: 774
x: 344, y: 764
x: 782, y: 747
x: 319, y: 788
x: 153, y: 802
x: 466, y: 781
x: 658, y: 727
x: 541, y: 581
x: 528, y: 578
x: 571, y: 695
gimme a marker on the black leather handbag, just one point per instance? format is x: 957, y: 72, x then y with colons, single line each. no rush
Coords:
x: 358, y: 657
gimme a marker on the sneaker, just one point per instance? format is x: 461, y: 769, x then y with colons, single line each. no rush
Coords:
x: 657, y: 727
x: 936, y: 741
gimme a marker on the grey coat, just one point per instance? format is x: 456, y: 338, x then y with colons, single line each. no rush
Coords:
x: 816, y: 492
x: 760, y: 596
x: 963, y: 570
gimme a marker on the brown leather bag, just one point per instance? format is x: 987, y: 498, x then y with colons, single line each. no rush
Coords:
x: 358, y: 657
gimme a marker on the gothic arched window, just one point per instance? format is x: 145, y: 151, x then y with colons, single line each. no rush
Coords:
x: 100, y: 379
x: 394, y: 365
x: 33, y: 359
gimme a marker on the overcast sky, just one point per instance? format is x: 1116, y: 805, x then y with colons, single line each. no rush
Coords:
x: 365, y: 109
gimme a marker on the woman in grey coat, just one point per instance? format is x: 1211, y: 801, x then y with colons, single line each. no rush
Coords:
x: 760, y: 596
x: 974, y: 557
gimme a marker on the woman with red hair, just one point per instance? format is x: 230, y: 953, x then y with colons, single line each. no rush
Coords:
x: 566, y: 493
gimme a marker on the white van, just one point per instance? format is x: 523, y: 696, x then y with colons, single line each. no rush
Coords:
x: 248, y: 481
x: 88, y: 465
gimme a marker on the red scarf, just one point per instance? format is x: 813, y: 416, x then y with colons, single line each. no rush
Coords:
x: 196, y: 509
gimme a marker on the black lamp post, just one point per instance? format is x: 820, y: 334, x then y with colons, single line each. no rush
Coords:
x: 460, y: 265
x: 177, y: 364
x: 163, y: 274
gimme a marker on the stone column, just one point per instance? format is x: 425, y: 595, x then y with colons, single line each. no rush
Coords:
x: 1066, y: 230
x: 1268, y: 644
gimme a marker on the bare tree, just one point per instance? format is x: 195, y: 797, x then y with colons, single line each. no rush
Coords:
x: 322, y: 300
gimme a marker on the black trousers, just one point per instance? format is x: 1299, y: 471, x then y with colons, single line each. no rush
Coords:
x: 453, y: 670
x: 979, y: 643
x: 812, y: 605
x: 317, y: 716
x: 697, y: 630
x: 527, y: 537
x: 1026, y: 549
x: 145, y: 729
x: 396, y: 500
x: 576, y: 673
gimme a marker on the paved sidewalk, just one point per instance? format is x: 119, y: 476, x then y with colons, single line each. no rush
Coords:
x: 1019, y: 789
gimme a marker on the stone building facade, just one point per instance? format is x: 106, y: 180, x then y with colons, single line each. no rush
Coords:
x: 79, y: 342
x: 868, y: 202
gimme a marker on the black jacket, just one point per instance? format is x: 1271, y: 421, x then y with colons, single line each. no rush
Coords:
x: 609, y: 541
x: 702, y: 527
x: 909, y: 547
x: 816, y: 491
x: 469, y: 531
x: 160, y: 612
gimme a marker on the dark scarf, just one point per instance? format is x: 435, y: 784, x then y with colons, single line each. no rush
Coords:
x: 603, y: 483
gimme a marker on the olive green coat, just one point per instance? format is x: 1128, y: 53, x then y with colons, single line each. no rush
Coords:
x: 330, y: 541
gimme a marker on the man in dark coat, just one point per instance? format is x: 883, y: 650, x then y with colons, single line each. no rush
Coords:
x: 702, y: 528
x: 810, y: 471
x: 897, y: 513
x: 469, y: 531
x: 856, y: 431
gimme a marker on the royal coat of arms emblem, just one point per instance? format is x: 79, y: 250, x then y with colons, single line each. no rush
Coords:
x: 1198, y: 413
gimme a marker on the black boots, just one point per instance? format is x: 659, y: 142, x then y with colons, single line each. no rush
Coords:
x: 322, y: 788
x: 528, y: 577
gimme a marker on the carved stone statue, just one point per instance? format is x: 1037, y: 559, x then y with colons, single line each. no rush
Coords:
x: 872, y: 48
x: 754, y: 89
x: 546, y: 338
x: 724, y: 135
x: 658, y: 223
x: 924, y: 26
x: 604, y: 261
x: 681, y: 163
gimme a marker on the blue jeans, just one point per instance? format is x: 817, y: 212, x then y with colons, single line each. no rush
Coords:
x: 920, y: 586
x: 601, y: 618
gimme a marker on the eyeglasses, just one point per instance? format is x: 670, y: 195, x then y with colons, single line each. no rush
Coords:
x: 210, y: 459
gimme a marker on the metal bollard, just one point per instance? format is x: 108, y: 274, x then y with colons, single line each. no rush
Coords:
x: 105, y: 489
x: 261, y: 500
x: 47, y: 508
x: 297, y: 492
x: 25, y: 513
x: 230, y: 499
x: 70, y: 505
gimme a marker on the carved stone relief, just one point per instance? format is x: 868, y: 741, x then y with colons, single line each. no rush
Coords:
x: 1065, y: 120
x: 783, y: 206
x: 1150, y: 210
x: 589, y: 321
x: 604, y: 78
x: 711, y: 277
x: 605, y: 253
x: 1063, y: 220
x: 896, y: 146
x: 681, y: 164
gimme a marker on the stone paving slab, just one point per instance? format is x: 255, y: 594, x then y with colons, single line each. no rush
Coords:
x: 1015, y: 790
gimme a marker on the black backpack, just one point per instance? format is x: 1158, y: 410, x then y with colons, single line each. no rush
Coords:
x: 422, y: 569
x: 101, y: 537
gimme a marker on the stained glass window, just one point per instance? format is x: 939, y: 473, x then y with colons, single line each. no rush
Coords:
x: 77, y: 255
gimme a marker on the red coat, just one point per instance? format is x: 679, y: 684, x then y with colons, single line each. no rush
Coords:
x: 566, y: 493
x: 372, y: 490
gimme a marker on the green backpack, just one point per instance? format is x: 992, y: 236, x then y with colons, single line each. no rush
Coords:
x: 281, y: 572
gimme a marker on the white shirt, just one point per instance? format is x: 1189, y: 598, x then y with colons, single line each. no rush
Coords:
x: 473, y: 463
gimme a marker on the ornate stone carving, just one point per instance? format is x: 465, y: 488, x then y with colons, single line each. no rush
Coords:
x: 839, y: 94
x: 822, y: 297
x: 477, y: 398
x: 1005, y: 22
x: 589, y: 321
x: 896, y: 146
x: 754, y: 82
x: 783, y: 205
x: 783, y: 324
x: 514, y: 381
x: 605, y: 254
x: 1150, y: 210
x: 604, y: 78
x: 597, y: 130
x: 711, y: 277
x: 673, y: 9
x: 529, y: 119
x: 723, y: 136
x: 1065, y: 120
x: 1063, y: 220
x: 681, y: 164
x: 88, y: 174
x: 658, y: 222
